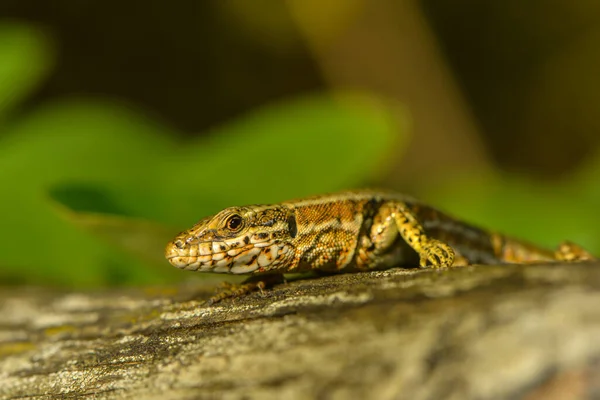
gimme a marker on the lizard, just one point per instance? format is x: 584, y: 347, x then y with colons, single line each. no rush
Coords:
x: 350, y: 231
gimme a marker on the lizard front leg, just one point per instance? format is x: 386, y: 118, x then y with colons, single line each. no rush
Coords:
x: 256, y: 282
x: 430, y: 250
x: 391, y: 220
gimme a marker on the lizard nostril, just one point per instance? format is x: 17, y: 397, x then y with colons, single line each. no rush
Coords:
x: 179, y: 244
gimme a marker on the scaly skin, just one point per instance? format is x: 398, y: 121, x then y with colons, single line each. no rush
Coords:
x: 344, y: 232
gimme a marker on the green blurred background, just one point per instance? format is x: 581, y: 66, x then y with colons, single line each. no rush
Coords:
x: 122, y: 123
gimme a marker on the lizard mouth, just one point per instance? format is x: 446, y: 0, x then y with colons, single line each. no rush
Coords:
x: 174, y: 253
x: 243, y: 263
x: 241, y: 260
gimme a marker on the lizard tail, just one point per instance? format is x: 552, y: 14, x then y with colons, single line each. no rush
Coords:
x: 518, y: 251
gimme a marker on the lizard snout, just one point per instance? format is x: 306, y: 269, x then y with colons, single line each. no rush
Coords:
x: 177, y: 255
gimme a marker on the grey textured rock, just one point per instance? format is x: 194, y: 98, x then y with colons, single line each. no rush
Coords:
x: 477, y: 332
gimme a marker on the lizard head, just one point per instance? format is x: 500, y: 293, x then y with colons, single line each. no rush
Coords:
x: 237, y: 240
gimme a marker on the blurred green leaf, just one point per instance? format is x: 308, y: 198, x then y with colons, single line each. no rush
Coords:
x: 26, y: 58
x: 84, y: 197
x: 308, y: 145
x: 142, y: 238
x: 68, y: 163
x: 104, y: 146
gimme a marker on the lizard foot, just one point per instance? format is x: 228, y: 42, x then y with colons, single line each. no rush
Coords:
x: 229, y: 290
x: 460, y: 261
x: 438, y: 254
x: 571, y: 252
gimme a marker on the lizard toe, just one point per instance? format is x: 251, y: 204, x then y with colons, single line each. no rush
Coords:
x: 439, y: 254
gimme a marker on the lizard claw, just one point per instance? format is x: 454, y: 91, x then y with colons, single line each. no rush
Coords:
x: 438, y: 254
x: 229, y: 290
x: 260, y: 283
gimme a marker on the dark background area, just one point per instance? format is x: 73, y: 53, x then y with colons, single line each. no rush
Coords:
x: 186, y: 62
x: 192, y: 64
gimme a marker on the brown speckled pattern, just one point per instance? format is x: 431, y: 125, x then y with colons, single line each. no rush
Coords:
x: 348, y: 231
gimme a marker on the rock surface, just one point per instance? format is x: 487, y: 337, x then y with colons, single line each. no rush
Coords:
x: 483, y: 332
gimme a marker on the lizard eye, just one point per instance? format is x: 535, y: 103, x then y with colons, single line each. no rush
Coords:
x: 234, y: 222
